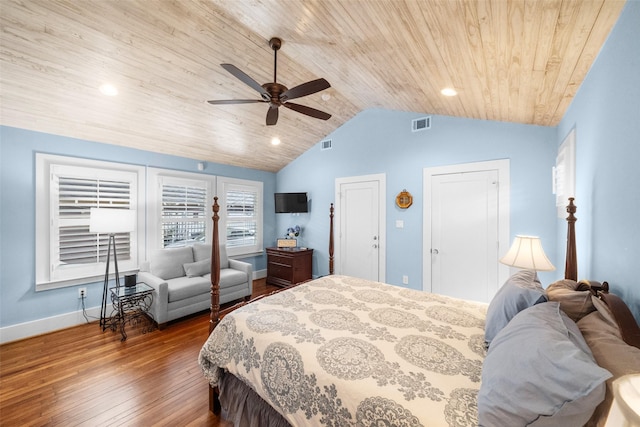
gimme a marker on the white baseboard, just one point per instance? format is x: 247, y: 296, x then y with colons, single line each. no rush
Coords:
x: 63, y: 321
x: 48, y: 324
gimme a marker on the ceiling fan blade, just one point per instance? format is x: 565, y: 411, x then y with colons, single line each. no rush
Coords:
x: 234, y: 101
x: 308, y: 111
x: 305, y: 89
x: 242, y: 76
x: 272, y: 115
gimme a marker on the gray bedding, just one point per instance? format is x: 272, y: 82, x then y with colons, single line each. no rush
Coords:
x: 342, y: 351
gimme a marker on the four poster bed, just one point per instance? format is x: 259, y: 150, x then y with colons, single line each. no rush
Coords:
x: 342, y: 351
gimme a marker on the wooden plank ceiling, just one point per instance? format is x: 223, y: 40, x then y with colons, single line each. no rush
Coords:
x: 517, y: 61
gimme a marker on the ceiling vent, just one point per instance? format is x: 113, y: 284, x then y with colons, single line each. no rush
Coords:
x: 325, y: 145
x: 421, y: 124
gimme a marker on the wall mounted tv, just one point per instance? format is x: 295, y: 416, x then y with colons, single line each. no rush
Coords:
x: 291, y: 202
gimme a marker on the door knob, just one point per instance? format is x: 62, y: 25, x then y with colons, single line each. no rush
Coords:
x: 434, y: 251
x: 375, y: 246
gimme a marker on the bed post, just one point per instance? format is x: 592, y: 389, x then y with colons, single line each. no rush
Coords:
x: 214, y: 402
x: 331, y: 239
x: 215, y: 269
x: 571, y: 262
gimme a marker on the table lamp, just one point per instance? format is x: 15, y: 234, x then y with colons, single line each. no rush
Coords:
x: 110, y: 221
x: 526, y: 252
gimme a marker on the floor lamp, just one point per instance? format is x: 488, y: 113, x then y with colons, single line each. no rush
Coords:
x: 110, y: 221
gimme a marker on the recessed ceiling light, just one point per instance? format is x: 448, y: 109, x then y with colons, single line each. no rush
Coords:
x: 449, y: 91
x: 108, y: 89
x: 275, y: 141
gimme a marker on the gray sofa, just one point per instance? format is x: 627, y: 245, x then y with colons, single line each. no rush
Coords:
x: 181, y: 278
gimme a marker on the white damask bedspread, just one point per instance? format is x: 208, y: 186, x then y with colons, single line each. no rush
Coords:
x: 342, y: 351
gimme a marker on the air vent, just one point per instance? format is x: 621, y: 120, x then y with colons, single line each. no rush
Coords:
x: 421, y: 124
x: 325, y: 145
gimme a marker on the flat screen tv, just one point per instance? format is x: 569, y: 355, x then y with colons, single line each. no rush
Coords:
x: 291, y: 202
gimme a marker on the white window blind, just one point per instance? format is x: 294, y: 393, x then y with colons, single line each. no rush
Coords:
x: 76, y: 196
x: 184, y: 214
x: 241, y: 216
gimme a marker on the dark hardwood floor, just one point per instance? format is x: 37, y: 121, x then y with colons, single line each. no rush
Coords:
x: 82, y: 376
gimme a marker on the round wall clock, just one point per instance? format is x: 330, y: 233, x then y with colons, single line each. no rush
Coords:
x: 404, y: 199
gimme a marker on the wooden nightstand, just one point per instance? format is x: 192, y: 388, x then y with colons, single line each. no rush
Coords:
x: 288, y: 266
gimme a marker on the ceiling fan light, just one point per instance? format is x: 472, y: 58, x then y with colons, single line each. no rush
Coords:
x: 275, y: 141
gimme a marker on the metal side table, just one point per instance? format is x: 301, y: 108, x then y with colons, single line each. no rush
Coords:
x: 131, y: 304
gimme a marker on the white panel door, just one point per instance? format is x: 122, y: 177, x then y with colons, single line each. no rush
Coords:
x: 463, y: 205
x: 359, y: 250
x: 464, y: 226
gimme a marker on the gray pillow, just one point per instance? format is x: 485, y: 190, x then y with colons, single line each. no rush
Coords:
x: 539, y: 371
x: 167, y: 263
x: 520, y: 291
x: 198, y: 268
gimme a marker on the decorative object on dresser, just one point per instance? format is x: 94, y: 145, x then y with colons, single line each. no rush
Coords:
x: 110, y: 221
x: 288, y: 266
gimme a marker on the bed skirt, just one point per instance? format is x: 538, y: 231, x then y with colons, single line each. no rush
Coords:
x: 244, y: 408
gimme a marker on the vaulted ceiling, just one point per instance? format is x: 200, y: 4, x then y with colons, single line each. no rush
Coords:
x: 510, y: 60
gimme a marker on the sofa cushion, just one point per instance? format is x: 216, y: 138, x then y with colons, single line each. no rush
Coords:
x: 231, y: 277
x: 168, y: 263
x: 197, y: 268
x: 186, y: 287
x: 203, y: 251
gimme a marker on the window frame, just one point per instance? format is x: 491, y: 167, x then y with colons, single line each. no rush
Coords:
x: 48, y: 275
x: 157, y: 177
x: 226, y: 184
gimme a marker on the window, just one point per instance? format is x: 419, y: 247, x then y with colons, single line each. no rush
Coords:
x: 179, y: 208
x: 241, y: 215
x: 184, y: 214
x: 66, y: 252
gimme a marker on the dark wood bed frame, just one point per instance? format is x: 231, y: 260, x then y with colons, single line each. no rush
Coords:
x: 626, y: 322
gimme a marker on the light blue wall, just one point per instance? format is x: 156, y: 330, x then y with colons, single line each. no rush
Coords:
x: 18, y: 300
x: 606, y: 115
x: 381, y: 142
x: 605, y: 112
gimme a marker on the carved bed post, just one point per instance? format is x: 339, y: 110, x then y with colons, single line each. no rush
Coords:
x: 215, y: 269
x: 331, y: 239
x: 571, y: 262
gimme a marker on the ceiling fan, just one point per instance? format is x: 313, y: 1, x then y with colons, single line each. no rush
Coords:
x: 275, y: 93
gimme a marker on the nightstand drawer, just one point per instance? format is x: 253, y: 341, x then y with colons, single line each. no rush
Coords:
x: 279, y: 259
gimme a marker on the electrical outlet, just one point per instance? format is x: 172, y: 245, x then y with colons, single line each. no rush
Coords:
x: 405, y: 280
x: 82, y: 293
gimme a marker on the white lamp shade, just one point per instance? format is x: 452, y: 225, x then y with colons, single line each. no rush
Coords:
x: 106, y: 220
x: 526, y: 252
